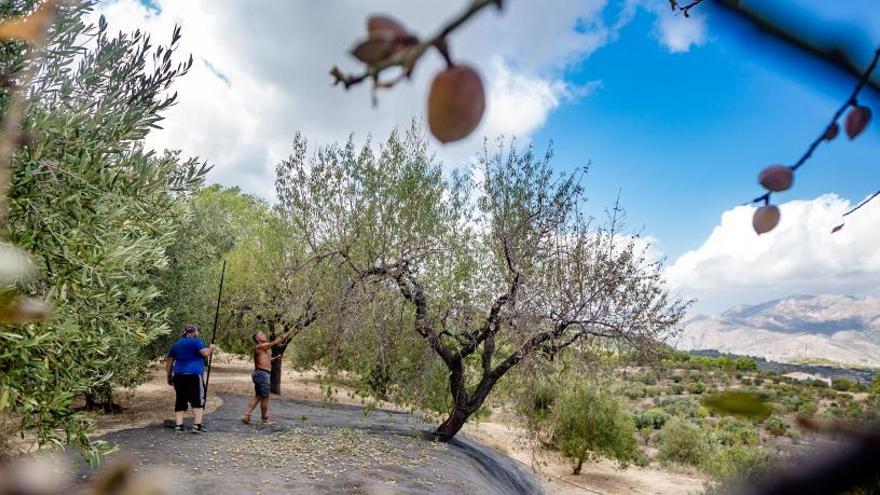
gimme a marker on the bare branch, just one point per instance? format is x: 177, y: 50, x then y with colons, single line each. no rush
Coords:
x: 684, y: 9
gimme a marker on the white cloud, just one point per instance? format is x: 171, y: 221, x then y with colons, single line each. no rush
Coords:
x: 519, y: 104
x: 275, y: 56
x: 800, y: 256
x: 673, y: 30
x: 679, y: 33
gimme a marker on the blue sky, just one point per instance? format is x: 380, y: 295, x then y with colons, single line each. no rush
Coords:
x: 684, y: 135
x: 679, y: 115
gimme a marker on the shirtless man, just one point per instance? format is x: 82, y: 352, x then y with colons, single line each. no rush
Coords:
x: 260, y: 376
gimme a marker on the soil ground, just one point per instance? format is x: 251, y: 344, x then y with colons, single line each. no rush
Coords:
x: 365, y: 445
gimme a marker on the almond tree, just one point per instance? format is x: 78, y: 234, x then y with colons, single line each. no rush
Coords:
x: 497, y: 265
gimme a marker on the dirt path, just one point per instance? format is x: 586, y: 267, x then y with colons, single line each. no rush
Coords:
x: 314, y: 448
x: 152, y: 402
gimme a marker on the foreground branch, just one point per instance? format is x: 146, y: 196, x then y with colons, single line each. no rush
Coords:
x: 851, y: 101
x: 407, y: 58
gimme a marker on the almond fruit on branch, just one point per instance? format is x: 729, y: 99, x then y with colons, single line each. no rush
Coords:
x: 457, y: 98
x: 778, y: 178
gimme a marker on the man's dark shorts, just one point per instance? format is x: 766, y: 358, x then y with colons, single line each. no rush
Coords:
x: 261, y: 383
x: 189, y: 389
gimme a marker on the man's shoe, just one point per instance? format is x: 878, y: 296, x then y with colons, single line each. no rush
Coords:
x: 178, y: 429
x: 199, y: 429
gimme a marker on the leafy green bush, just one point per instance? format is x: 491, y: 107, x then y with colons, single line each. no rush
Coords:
x: 842, y: 384
x: 735, y: 462
x: 654, y: 418
x: 746, y: 364
x: 536, y: 400
x: 676, y: 388
x: 635, y: 391
x: 683, y: 407
x: 682, y: 442
x: 732, y: 431
x: 776, y: 426
x: 648, y: 377
x: 695, y: 388
x: 589, y: 422
x: 807, y: 409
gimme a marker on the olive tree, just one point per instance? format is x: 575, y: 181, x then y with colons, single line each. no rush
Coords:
x: 268, y: 286
x: 93, y: 208
x: 497, y: 264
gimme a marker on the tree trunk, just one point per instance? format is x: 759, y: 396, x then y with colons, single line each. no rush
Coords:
x: 577, y: 467
x: 465, y: 404
x: 275, y: 375
x: 101, y: 399
x: 457, y: 418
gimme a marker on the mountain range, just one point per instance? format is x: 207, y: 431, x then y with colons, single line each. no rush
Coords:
x: 828, y: 328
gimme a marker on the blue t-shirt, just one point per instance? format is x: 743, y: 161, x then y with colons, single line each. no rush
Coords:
x: 187, y: 360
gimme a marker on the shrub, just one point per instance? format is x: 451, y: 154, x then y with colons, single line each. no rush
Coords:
x: 652, y: 391
x: 682, y: 442
x: 732, y: 431
x: 653, y: 418
x: 537, y: 400
x: 853, y: 410
x: 842, y: 384
x: 677, y: 378
x: 635, y: 391
x: 775, y: 425
x: 759, y: 380
x: 807, y: 409
x: 696, y: 388
x: 590, y: 422
x: 676, y: 388
x: 648, y: 378
x: 746, y: 381
x: 746, y: 364
x: 735, y: 462
x: 683, y: 407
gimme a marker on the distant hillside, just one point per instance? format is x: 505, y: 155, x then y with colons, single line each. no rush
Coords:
x: 836, y: 329
x: 857, y: 375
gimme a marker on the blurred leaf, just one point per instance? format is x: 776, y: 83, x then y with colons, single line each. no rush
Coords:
x: 736, y: 403
x: 31, y: 28
x: 21, y: 310
x: 15, y: 264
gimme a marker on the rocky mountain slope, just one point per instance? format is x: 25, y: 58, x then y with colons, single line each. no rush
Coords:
x: 841, y: 329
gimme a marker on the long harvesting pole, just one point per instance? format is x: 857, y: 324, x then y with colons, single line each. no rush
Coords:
x: 214, y: 333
